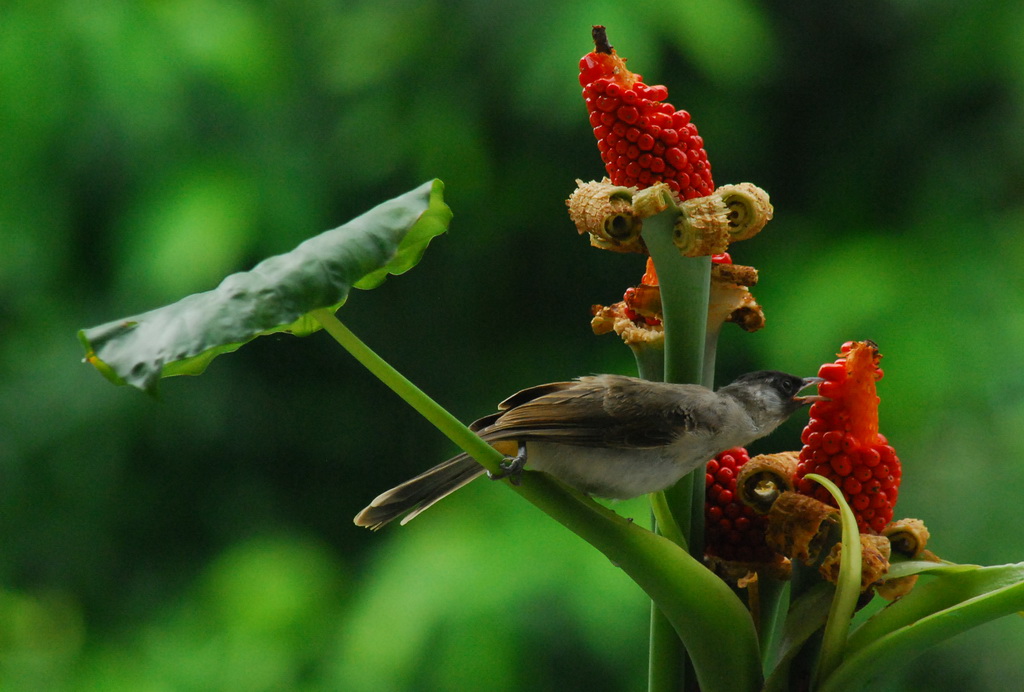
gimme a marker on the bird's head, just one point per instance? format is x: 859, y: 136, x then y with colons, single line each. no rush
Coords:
x: 770, y: 396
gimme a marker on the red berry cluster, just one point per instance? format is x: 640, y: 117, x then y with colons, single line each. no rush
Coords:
x: 733, y: 531
x: 643, y: 140
x: 842, y: 442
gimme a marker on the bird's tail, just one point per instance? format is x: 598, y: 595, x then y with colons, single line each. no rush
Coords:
x: 418, y: 493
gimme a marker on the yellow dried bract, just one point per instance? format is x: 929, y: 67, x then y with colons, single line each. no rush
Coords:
x: 762, y: 479
x: 734, y: 274
x: 613, y: 318
x: 908, y: 536
x: 749, y: 209
x: 891, y: 589
x: 653, y: 200
x: 703, y: 227
x: 874, y: 554
x: 612, y: 215
x: 605, y: 211
x: 799, y: 525
x: 743, y: 573
x: 730, y: 213
x: 730, y: 301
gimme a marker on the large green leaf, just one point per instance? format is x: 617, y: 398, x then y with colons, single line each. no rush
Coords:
x: 275, y: 296
x: 958, y: 598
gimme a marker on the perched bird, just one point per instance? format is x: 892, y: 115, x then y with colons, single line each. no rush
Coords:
x: 611, y: 436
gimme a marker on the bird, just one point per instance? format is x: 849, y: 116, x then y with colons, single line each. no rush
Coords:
x: 608, y: 436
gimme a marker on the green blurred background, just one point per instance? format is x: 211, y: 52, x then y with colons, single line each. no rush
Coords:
x: 203, y: 541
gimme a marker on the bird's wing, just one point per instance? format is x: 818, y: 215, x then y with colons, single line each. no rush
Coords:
x: 599, y: 411
x: 518, y: 399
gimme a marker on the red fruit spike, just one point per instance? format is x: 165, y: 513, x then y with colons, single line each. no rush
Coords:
x: 618, y: 100
x: 842, y: 442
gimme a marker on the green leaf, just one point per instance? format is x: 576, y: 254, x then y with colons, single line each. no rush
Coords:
x: 957, y: 599
x: 844, y: 603
x: 275, y: 296
x: 904, y: 567
x: 806, y: 615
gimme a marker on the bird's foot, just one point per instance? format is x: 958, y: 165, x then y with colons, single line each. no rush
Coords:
x: 512, y: 467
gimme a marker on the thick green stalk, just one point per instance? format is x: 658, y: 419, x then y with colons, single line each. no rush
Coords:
x: 666, y: 660
x: 650, y: 362
x: 769, y: 597
x: 685, y: 288
x: 710, y: 357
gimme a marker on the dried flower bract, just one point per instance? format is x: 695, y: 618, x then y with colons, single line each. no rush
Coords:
x: 749, y: 209
x: 874, y: 556
x: 764, y: 478
x: 605, y: 211
x: 798, y: 526
x: 908, y: 536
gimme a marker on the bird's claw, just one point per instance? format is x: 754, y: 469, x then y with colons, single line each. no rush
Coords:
x: 512, y: 467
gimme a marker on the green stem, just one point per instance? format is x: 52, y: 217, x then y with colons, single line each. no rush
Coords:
x: 685, y: 289
x: 666, y: 658
x: 664, y: 521
x: 944, y: 608
x: 769, y: 598
x: 650, y: 362
x: 710, y: 356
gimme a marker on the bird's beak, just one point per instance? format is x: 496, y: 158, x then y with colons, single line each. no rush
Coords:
x: 805, y: 400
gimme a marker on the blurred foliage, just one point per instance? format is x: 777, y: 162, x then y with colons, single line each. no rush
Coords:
x: 204, y: 541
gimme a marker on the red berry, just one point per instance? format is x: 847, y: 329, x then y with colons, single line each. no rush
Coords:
x: 834, y: 372
x: 842, y: 464
x: 831, y: 441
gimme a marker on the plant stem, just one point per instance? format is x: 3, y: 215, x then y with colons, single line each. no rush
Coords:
x: 666, y: 661
x: 769, y: 598
x: 685, y: 289
x: 710, y: 357
x: 650, y: 362
x: 664, y: 521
